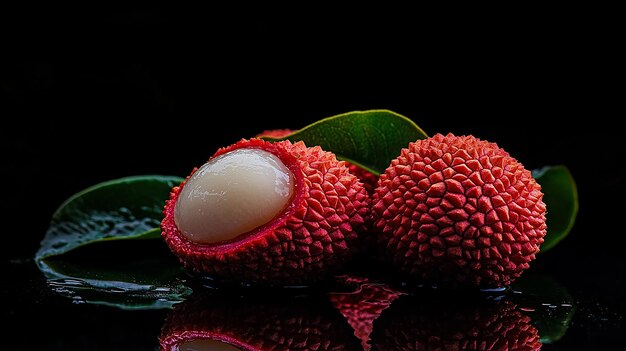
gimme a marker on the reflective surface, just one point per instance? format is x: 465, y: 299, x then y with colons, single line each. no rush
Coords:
x: 349, y: 312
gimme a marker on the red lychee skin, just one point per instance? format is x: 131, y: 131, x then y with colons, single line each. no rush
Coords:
x: 369, y: 179
x: 259, y: 324
x: 315, y: 233
x: 275, y: 133
x: 412, y: 325
x: 459, y: 210
x: 363, y: 306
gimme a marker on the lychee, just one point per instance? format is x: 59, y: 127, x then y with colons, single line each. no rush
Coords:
x: 368, y: 178
x: 256, y: 322
x: 459, y: 210
x: 261, y: 212
x: 454, y: 323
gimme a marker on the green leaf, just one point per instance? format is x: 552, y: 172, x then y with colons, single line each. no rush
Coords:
x: 369, y: 139
x: 123, y: 209
x: 142, y: 275
x: 561, y: 198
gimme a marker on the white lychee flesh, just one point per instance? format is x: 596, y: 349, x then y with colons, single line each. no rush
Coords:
x: 233, y: 194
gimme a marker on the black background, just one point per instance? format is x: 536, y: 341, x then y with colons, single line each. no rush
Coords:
x: 92, y: 95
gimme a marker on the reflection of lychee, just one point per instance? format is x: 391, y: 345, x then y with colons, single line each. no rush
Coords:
x: 362, y: 306
x: 412, y: 324
x: 459, y: 210
x: 256, y: 323
x: 369, y: 179
x: 266, y: 212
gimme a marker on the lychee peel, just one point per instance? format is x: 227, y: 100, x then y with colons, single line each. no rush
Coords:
x: 368, y: 178
x: 459, y: 210
x: 275, y: 133
x: 315, y: 233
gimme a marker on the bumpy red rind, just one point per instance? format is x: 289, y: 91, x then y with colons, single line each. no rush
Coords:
x: 369, y: 179
x: 459, y: 210
x: 316, y: 232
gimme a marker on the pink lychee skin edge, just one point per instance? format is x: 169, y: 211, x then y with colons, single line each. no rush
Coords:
x: 459, y: 210
x: 171, y: 342
x: 316, y: 233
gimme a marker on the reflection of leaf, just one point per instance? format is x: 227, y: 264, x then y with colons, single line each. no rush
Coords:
x: 561, y: 198
x: 142, y: 275
x: 122, y: 209
x: 551, y: 304
x: 370, y: 139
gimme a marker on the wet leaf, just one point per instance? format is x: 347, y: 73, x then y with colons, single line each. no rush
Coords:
x: 561, y: 198
x: 123, y: 209
x: 370, y: 139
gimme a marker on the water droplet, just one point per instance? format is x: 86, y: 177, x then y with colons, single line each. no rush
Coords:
x: 496, y: 290
x: 296, y: 286
x: 67, y: 282
x: 116, y: 290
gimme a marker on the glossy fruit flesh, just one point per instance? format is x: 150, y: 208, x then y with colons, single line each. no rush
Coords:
x: 233, y: 194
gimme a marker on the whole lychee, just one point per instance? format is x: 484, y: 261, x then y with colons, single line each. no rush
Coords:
x: 277, y: 213
x: 454, y: 323
x: 368, y: 178
x: 459, y: 210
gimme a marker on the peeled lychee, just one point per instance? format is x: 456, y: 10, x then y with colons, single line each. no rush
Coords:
x: 266, y: 212
x: 368, y: 178
x: 459, y: 210
x: 256, y: 323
